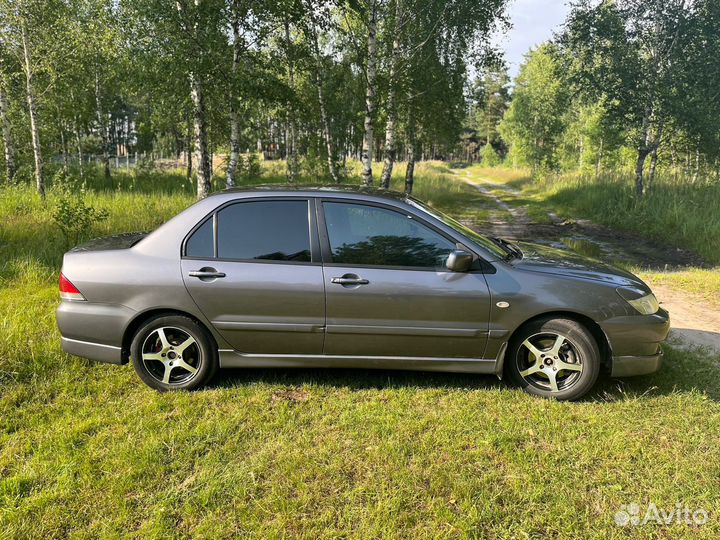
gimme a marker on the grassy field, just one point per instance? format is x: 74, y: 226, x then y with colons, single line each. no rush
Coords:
x: 677, y: 212
x: 86, y: 450
x: 673, y: 214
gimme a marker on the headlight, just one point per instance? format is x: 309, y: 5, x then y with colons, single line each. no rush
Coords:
x: 646, y: 304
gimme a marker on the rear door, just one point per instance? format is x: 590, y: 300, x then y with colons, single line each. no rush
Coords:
x: 388, y: 290
x: 253, y: 268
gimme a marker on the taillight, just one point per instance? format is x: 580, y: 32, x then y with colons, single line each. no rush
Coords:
x: 68, y: 291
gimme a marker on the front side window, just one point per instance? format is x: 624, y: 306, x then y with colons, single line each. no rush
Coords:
x: 369, y: 235
x: 264, y: 230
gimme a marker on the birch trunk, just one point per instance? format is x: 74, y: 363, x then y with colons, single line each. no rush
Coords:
x: 32, y: 108
x: 696, y: 172
x: 78, y: 146
x: 391, y: 126
x: 370, y: 95
x: 598, y: 163
x: 102, y: 124
x: 290, y: 137
x: 201, y: 137
x: 327, y: 133
x: 188, y: 149
x: 653, y: 167
x: 642, y: 150
x: 8, y: 142
x: 411, y: 150
x: 64, y: 146
x: 234, y: 116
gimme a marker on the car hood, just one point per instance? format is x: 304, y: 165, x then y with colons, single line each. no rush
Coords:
x: 549, y: 260
x: 117, y: 241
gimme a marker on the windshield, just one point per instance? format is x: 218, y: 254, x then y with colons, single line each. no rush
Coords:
x: 484, y: 241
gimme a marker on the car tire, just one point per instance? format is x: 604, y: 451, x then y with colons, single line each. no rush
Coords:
x: 174, y: 352
x: 553, y: 358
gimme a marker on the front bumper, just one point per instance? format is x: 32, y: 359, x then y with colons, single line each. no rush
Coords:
x: 629, y: 366
x: 635, y: 342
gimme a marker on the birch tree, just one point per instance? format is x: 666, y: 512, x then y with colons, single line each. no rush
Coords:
x: 394, y: 84
x: 8, y: 142
x: 29, y: 69
x: 236, y: 16
x: 631, y: 55
x: 371, y: 91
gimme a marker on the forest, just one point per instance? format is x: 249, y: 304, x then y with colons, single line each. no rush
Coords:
x: 314, y: 83
x: 218, y: 83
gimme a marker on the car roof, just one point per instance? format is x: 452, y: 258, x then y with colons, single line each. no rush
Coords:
x: 316, y: 190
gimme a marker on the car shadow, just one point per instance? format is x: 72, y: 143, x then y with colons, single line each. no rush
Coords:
x: 354, y: 379
x: 683, y: 371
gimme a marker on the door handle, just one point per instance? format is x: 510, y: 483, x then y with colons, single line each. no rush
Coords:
x: 206, y: 273
x: 349, y: 280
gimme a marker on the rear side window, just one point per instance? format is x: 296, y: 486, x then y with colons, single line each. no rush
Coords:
x: 369, y: 235
x: 201, y: 243
x: 264, y: 230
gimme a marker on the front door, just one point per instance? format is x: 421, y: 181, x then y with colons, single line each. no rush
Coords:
x: 388, y: 290
x: 258, y: 277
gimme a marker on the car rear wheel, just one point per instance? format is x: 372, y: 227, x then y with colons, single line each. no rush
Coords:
x: 554, y: 358
x: 173, y: 353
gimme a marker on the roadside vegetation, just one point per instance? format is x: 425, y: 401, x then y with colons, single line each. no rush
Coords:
x: 86, y: 450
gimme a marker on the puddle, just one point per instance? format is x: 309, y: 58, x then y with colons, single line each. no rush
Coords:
x: 584, y: 247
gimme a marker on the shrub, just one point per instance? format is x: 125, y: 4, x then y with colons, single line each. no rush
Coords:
x: 490, y: 157
x: 74, y: 217
x: 249, y: 166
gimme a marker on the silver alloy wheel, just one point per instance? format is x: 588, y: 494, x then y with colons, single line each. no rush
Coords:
x: 171, y: 355
x: 549, y: 361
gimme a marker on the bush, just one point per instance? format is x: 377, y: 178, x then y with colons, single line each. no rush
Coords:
x: 144, y: 166
x: 490, y: 158
x: 73, y: 216
x: 249, y: 166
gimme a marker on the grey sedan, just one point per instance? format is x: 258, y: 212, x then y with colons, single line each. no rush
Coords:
x: 355, y: 278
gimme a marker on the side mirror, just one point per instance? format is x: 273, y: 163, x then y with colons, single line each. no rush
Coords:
x: 459, y: 261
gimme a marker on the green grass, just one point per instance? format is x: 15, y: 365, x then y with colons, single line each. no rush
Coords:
x: 702, y: 282
x: 681, y: 215
x: 87, y: 451
x: 676, y: 212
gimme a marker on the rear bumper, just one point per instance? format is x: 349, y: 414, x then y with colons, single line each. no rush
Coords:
x: 94, y: 351
x: 93, y: 330
x: 629, y: 366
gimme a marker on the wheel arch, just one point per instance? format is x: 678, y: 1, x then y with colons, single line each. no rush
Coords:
x: 142, y: 318
x: 593, y: 327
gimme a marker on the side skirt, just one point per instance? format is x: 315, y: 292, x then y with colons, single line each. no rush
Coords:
x: 233, y: 359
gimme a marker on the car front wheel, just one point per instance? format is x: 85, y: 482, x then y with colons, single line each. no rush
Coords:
x: 173, y: 353
x: 554, y: 358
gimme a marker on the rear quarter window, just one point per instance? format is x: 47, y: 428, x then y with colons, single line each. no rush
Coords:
x: 201, y: 243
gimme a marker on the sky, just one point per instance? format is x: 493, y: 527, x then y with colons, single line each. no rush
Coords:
x: 533, y: 22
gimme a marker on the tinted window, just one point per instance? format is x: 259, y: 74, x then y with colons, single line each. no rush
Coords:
x: 267, y: 230
x: 362, y: 234
x: 200, y: 244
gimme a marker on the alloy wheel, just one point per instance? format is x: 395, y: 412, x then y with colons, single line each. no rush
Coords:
x: 549, y: 361
x: 171, y: 355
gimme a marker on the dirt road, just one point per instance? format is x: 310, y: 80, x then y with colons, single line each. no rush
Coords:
x: 694, y: 323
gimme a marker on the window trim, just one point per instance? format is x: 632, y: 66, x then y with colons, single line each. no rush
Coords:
x: 326, y: 248
x: 315, y: 249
